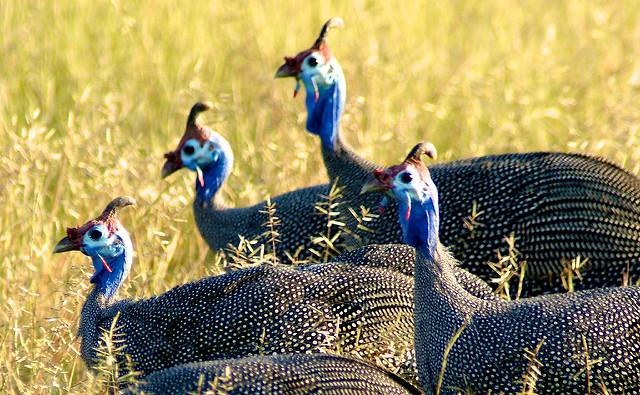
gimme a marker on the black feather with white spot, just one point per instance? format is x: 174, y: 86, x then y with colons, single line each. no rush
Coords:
x: 277, y: 375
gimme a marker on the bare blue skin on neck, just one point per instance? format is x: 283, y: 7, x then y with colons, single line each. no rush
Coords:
x: 215, y: 160
x: 422, y: 227
x: 118, y: 255
x: 323, y: 114
x: 214, y: 175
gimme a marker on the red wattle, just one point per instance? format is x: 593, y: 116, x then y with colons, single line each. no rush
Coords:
x: 201, y: 179
x: 104, y: 263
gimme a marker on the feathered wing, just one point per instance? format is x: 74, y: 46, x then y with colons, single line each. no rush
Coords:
x: 299, y: 222
x: 402, y: 258
x: 265, y: 310
x: 290, y: 374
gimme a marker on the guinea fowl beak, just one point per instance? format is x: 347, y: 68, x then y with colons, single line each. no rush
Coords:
x: 65, y: 245
x: 169, y: 168
x: 285, y: 71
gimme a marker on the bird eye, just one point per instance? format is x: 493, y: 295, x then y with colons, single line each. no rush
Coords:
x: 406, y: 178
x: 312, y: 62
x: 95, y: 234
x: 188, y: 150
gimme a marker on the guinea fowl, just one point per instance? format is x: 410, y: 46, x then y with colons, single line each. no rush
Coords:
x: 574, y: 342
x: 261, y: 310
x: 207, y: 153
x: 277, y: 375
x: 558, y: 206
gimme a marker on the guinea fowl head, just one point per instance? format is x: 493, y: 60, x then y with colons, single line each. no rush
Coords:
x: 107, y: 242
x: 324, y: 82
x: 203, y: 151
x: 410, y: 184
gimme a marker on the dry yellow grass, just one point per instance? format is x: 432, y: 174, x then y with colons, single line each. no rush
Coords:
x: 93, y: 92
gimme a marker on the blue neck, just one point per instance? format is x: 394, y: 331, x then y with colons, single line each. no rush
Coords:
x: 214, y: 176
x: 422, y: 227
x: 323, y: 115
x: 118, y: 258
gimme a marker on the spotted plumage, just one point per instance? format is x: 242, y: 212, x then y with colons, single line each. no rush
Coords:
x: 402, y: 258
x: 262, y: 310
x: 558, y: 206
x: 582, y: 341
x: 209, y: 154
x: 277, y: 375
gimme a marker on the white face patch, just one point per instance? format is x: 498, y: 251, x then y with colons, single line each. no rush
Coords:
x: 312, y: 62
x: 408, y: 182
x: 195, y: 155
x: 98, y: 243
x: 96, y: 237
x: 315, y: 70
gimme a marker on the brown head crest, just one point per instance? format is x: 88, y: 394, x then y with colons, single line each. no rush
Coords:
x: 420, y: 149
x: 115, y: 205
x: 328, y: 25
x: 195, y: 111
x: 73, y: 241
x: 193, y: 131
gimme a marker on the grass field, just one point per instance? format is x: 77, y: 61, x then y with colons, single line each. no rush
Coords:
x: 93, y: 92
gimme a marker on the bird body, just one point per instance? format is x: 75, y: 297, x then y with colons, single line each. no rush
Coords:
x: 402, y: 258
x: 582, y: 336
x: 555, y: 344
x: 278, y: 375
x: 557, y: 206
x: 262, y: 310
x: 255, y: 311
x: 207, y: 153
x: 221, y: 226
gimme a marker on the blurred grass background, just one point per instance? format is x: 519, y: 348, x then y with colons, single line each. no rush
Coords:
x: 92, y: 93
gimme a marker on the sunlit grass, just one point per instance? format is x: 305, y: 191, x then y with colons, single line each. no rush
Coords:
x: 93, y: 92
